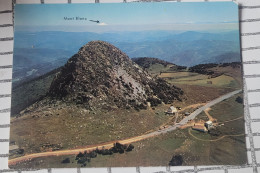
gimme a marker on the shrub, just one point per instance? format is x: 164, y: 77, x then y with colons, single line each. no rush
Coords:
x: 176, y: 161
x: 239, y: 99
x: 130, y: 148
x: 67, y: 160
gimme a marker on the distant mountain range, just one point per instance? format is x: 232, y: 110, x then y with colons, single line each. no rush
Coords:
x: 36, y: 53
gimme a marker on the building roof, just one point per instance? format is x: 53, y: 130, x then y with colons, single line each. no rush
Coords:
x: 209, y: 122
x: 13, y: 147
x: 172, y: 109
x: 199, y: 127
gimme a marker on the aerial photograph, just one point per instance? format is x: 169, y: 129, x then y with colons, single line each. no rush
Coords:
x: 127, y: 84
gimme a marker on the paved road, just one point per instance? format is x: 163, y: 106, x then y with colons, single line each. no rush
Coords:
x: 125, y: 141
x: 208, y: 105
x: 196, y: 113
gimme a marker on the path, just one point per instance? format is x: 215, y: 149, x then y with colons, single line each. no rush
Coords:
x: 208, y: 105
x: 208, y: 115
x: 231, y: 120
x: 213, y: 140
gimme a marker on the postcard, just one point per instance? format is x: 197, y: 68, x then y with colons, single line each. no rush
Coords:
x: 127, y: 84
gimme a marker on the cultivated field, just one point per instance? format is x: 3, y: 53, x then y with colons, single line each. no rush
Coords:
x: 189, y: 78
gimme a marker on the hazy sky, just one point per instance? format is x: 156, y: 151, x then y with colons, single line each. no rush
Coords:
x: 128, y: 16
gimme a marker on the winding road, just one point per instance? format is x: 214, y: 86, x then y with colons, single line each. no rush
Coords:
x: 125, y: 141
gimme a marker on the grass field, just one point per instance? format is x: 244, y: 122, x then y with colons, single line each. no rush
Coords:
x: 69, y: 127
x: 189, y: 78
x: 72, y: 127
x: 223, y: 81
x: 201, y: 94
x: 176, y: 75
x: 221, y: 112
x: 229, y: 71
x: 156, y: 68
x: 159, y: 150
x: 37, y: 89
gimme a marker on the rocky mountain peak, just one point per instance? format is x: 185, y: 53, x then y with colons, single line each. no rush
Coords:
x: 102, y: 76
x: 103, y: 51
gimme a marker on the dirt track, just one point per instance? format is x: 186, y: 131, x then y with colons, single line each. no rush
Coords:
x: 75, y: 151
x: 213, y: 140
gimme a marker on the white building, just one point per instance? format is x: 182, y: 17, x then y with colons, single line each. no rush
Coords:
x: 208, y: 124
x: 172, y: 110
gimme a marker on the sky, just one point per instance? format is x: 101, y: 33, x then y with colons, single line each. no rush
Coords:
x: 127, y: 16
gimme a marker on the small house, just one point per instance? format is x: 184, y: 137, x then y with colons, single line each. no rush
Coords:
x: 172, y: 110
x: 200, y: 128
x: 208, y: 124
x: 13, y: 149
x: 187, y: 114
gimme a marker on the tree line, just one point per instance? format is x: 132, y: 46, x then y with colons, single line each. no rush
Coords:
x: 85, y: 157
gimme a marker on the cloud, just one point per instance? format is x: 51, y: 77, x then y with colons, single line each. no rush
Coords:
x: 102, y: 24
